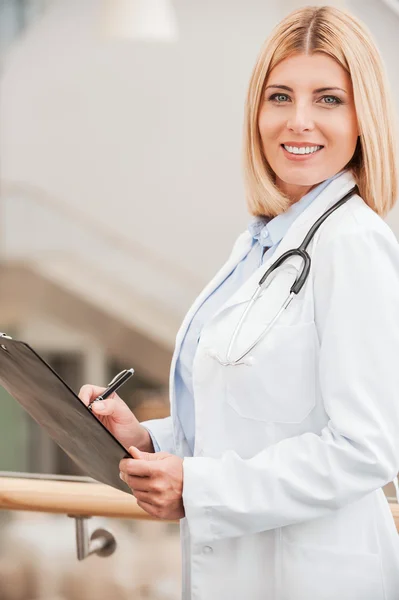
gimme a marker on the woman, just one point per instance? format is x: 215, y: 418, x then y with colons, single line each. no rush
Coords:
x: 278, y: 482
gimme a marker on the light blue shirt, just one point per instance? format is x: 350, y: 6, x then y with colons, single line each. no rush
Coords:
x: 267, y: 234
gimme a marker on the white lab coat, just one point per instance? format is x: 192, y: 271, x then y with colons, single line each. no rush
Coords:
x: 283, y: 496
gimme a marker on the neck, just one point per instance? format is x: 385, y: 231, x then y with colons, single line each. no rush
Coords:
x: 292, y: 191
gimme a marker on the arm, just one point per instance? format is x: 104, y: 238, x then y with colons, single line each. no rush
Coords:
x: 356, y: 289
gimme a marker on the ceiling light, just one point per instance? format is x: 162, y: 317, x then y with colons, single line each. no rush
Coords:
x: 148, y: 20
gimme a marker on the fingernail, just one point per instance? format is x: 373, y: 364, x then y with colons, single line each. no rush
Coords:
x: 99, y: 407
x: 121, y: 476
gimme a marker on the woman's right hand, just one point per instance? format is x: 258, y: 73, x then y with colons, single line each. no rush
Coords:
x: 117, y: 417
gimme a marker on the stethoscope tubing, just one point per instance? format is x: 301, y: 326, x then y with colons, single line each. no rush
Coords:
x: 301, y: 251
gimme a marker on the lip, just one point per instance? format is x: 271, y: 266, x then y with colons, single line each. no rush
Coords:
x: 300, y: 157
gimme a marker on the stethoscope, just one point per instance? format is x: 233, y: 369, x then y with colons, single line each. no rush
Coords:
x: 295, y: 288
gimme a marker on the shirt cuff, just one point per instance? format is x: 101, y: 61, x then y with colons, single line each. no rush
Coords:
x: 154, y: 441
x: 161, y: 434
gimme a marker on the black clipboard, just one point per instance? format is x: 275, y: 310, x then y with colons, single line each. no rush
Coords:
x: 55, y: 407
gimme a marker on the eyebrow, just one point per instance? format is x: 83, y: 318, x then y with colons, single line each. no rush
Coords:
x: 318, y: 91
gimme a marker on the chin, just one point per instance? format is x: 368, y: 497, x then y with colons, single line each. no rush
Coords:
x: 300, y: 176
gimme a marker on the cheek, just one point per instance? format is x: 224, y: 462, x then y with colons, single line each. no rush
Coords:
x: 344, y: 140
x: 269, y: 129
x: 343, y: 130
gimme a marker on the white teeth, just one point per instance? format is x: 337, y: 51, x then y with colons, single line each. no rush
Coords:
x: 302, y: 150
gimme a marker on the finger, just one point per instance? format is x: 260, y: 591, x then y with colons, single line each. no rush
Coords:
x: 136, y: 453
x: 150, y: 456
x: 142, y: 496
x: 149, y: 508
x: 104, y: 407
x: 88, y: 392
x: 141, y: 484
x: 139, y: 468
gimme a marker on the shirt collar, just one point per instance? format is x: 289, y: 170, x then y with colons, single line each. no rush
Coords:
x: 269, y: 231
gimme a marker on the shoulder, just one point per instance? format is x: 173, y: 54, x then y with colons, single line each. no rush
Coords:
x: 355, y: 223
x: 356, y: 249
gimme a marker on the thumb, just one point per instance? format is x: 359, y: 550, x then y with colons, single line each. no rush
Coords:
x: 136, y: 453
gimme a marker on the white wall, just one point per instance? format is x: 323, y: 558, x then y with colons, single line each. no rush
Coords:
x: 145, y: 139
x: 383, y: 23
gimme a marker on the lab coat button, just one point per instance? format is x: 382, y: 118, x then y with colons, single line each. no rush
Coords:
x: 207, y: 550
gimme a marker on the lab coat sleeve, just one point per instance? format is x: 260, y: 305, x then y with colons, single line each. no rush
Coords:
x: 356, y: 294
x: 161, y: 433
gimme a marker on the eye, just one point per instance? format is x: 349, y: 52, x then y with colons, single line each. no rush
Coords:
x: 277, y: 98
x: 331, y: 100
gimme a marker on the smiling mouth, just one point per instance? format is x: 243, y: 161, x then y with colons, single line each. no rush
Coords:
x: 302, y: 150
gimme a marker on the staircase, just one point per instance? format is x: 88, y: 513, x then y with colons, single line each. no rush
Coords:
x: 57, y: 262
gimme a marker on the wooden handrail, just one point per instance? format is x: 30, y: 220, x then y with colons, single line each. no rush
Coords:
x: 79, y: 497
x: 395, y: 512
x: 68, y: 497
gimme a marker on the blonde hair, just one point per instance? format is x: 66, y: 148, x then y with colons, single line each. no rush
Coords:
x: 341, y: 36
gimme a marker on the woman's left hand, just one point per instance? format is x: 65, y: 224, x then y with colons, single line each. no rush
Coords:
x: 156, y: 480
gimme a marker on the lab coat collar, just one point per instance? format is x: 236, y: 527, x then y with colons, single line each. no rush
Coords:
x: 241, y: 248
x: 295, y: 234
x: 269, y: 231
x: 335, y: 190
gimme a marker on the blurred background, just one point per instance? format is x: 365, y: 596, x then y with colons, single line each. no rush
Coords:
x: 121, y: 193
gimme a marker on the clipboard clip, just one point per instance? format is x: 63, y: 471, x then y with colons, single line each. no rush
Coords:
x: 4, y: 336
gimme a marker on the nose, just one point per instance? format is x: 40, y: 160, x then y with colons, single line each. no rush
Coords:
x: 300, y: 118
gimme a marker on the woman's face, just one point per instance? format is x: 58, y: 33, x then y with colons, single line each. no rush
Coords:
x: 307, y: 104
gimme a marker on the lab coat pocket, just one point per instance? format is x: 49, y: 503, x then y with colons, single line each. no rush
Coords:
x: 278, y: 381
x: 314, y: 573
